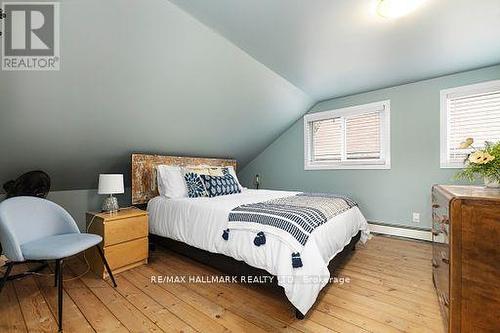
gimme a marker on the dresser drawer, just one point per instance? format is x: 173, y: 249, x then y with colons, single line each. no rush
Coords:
x: 441, y: 250
x: 122, y: 230
x: 441, y: 267
x: 124, y: 254
x: 440, y: 217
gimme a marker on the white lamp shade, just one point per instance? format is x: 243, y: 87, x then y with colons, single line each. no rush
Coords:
x: 110, y: 184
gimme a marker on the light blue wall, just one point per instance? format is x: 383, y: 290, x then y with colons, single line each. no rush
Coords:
x: 78, y: 202
x: 388, y: 196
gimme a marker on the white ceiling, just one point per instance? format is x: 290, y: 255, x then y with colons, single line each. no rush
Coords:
x: 331, y: 48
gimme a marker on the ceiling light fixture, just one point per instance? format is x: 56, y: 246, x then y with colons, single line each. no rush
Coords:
x: 397, y: 8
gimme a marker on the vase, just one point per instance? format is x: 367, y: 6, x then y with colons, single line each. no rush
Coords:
x: 491, y: 183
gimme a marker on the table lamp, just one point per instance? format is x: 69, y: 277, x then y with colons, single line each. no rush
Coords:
x: 257, y: 181
x: 110, y: 184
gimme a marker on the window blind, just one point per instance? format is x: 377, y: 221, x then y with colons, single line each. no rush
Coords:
x: 363, y: 136
x: 356, y: 137
x: 327, y: 139
x: 474, y: 116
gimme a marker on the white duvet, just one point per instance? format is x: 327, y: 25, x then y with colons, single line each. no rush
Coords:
x: 199, y: 222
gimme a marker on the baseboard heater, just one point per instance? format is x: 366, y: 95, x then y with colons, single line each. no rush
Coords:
x: 400, y: 230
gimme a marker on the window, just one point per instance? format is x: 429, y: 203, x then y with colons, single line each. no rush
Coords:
x: 349, y: 138
x: 468, y: 112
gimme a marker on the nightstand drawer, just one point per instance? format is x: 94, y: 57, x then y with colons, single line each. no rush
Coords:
x: 125, y: 243
x: 124, y: 254
x: 119, y: 231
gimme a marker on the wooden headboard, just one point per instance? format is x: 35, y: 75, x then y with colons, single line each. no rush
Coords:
x: 144, y: 185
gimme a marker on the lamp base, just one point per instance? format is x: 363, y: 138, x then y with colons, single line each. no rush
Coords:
x: 110, y: 205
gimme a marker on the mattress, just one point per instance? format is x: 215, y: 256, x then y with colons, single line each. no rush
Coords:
x: 200, y: 222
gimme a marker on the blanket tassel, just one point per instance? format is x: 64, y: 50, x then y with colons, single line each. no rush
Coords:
x: 296, y: 261
x: 260, y: 239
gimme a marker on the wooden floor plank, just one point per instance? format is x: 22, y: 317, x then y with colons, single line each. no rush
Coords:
x: 119, y: 306
x: 239, y: 305
x: 389, y: 255
x: 234, y: 297
x: 417, y: 319
x: 268, y: 303
x: 73, y: 319
x: 158, y: 313
x: 372, y: 259
x: 91, y: 307
x: 389, y: 320
x: 399, y: 291
x: 390, y: 290
x: 418, y: 281
x: 337, y: 324
x: 410, y: 305
x: 36, y: 312
x: 352, y: 316
x: 213, y: 310
x: 389, y: 279
x: 189, y: 314
x: 11, y: 317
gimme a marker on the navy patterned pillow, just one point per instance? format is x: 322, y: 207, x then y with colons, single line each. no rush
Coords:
x: 220, y: 185
x: 194, y: 185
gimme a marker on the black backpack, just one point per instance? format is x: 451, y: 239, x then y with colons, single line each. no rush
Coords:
x: 33, y: 184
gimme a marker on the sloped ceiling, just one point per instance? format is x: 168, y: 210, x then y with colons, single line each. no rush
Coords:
x: 138, y: 76
x: 332, y: 48
x: 218, y: 78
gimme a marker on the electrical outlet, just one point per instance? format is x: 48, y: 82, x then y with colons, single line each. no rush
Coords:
x: 416, y: 217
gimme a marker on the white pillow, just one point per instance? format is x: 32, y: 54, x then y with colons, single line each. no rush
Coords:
x: 171, y: 181
x: 232, y: 172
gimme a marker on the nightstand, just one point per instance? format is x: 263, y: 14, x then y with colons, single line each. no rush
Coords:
x: 125, y: 239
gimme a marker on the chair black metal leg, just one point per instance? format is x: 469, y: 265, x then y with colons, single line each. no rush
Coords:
x: 30, y: 271
x: 59, y: 263
x: 56, y: 273
x: 6, y: 275
x: 106, y: 265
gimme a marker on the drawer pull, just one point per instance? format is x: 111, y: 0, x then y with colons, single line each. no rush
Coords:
x: 445, y: 300
x: 446, y: 260
x: 434, y: 263
x: 435, y: 205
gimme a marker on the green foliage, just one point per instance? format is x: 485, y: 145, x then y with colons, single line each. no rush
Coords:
x: 491, y: 169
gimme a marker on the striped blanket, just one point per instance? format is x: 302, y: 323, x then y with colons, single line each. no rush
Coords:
x: 292, y: 219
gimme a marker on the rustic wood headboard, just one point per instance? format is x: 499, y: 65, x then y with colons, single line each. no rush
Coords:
x: 144, y: 185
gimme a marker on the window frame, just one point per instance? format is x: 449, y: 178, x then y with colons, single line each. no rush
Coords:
x: 385, y: 140
x: 445, y: 95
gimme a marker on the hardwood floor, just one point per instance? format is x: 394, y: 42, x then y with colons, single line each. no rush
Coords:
x: 390, y: 290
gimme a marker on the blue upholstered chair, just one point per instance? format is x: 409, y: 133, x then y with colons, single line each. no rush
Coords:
x: 33, y: 229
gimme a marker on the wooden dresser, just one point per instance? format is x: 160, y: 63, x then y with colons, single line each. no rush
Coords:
x: 125, y: 239
x: 466, y: 256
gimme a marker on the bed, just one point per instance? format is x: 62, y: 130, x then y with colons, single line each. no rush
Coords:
x: 194, y: 226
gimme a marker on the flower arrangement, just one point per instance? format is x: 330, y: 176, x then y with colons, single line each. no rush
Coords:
x: 481, y: 162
